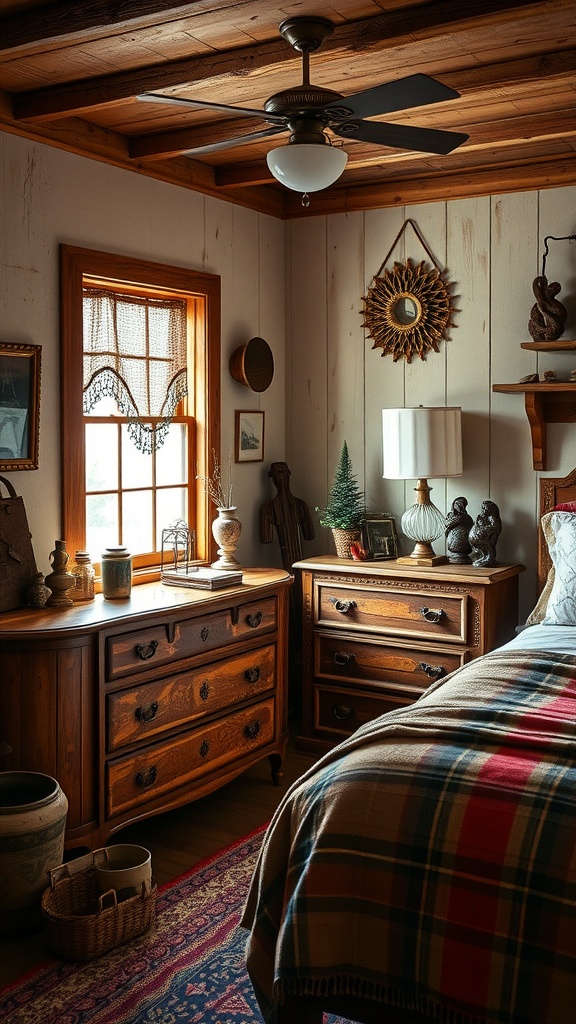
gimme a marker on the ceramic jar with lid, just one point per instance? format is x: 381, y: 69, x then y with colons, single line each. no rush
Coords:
x: 116, y: 573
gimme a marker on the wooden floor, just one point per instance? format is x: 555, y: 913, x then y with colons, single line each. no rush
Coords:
x: 180, y: 839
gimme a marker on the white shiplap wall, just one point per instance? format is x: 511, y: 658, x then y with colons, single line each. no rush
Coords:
x: 337, y: 384
x: 47, y: 197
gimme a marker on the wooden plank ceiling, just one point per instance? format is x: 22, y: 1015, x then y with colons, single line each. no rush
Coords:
x: 70, y: 75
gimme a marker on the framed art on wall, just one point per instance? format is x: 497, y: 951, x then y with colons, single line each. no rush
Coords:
x: 19, y: 406
x: 249, y: 436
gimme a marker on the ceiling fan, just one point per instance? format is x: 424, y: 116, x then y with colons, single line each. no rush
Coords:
x: 309, y: 161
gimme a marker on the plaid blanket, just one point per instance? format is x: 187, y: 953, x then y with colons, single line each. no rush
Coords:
x: 429, y: 861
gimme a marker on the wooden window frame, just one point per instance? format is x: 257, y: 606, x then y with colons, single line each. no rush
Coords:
x: 204, y: 383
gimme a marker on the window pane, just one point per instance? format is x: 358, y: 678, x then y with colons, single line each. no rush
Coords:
x: 137, y: 522
x: 102, y: 527
x: 101, y: 457
x: 136, y: 465
x: 170, y: 505
x: 171, y: 457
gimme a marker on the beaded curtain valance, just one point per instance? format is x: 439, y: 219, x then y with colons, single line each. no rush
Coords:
x: 135, y: 353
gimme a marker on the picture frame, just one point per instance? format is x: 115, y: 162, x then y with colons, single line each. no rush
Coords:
x: 379, y: 536
x: 249, y: 436
x: 20, y: 368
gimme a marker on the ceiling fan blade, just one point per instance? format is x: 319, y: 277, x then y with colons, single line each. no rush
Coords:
x: 180, y: 101
x: 400, y: 136
x: 414, y: 91
x: 240, y: 140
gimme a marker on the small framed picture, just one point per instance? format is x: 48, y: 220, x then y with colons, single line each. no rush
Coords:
x: 249, y: 436
x: 379, y: 536
x: 19, y: 406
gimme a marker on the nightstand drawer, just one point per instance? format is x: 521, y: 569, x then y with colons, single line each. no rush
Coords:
x: 339, y: 712
x: 343, y: 656
x: 401, y: 612
x: 143, y: 711
x: 146, y: 648
x: 155, y: 771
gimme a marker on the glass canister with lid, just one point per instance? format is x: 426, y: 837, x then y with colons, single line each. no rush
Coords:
x: 83, y: 572
x: 116, y: 572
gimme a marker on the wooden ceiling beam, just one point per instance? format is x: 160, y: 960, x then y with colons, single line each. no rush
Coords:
x: 56, y: 23
x: 380, y: 33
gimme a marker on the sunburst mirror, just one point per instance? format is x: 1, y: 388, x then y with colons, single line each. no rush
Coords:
x: 408, y: 310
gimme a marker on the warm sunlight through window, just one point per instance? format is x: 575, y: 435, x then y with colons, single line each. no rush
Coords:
x: 140, y: 402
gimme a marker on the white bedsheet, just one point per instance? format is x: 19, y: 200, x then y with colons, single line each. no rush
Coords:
x: 560, y: 639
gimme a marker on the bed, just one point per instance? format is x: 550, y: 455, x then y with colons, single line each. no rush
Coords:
x: 426, y: 867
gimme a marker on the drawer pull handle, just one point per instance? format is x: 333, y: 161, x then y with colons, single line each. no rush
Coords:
x: 147, y: 778
x: 432, y: 671
x: 254, y: 620
x: 252, y: 675
x: 204, y: 748
x: 145, y: 651
x: 148, y: 712
x: 342, y: 658
x: 252, y: 730
x: 204, y: 632
x: 342, y: 606
x: 342, y: 712
x: 204, y: 691
x: 432, y: 614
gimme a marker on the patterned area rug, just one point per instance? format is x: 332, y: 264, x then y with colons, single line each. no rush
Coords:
x: 188, y: 968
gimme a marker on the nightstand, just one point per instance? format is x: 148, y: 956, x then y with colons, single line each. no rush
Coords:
x: 377, y: 634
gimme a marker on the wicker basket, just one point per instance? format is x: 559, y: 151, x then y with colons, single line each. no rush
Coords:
x: 82, y: 922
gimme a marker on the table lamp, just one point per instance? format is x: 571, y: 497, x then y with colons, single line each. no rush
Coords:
x: 417, y: 444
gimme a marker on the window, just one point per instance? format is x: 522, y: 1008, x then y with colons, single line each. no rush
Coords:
x: 130, y: 457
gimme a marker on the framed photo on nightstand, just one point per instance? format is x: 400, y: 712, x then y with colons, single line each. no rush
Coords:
x: 379, y: 536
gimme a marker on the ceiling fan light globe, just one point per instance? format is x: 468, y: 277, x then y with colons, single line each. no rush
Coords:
x: 307, y: 167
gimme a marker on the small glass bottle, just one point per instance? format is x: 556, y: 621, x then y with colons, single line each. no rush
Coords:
x: 83, y: 573
x: 116, y: 573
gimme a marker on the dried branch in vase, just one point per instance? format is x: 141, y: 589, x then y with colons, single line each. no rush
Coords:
x: 219, y: 493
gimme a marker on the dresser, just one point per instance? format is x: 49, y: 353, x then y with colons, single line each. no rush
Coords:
x: 376, y: 634
x: 140, y: 705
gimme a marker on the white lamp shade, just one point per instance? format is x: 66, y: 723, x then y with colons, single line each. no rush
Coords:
x: 422, y: 442
x: 306, y: 167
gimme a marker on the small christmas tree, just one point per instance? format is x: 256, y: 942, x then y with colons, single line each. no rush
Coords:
x: 345, y: 509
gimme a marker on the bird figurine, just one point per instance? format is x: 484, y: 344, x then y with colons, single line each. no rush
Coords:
x: 484, y: 534
x: 457, y: 528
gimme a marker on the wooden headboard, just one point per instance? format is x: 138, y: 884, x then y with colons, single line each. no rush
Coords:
x: 553, y: 491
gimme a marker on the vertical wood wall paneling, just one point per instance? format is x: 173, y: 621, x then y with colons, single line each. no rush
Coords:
x: 307, y: 413
x: 468, y: 365
x: 345, y: 343
x: 271, y: 327
x: 384, y: 378
x: 426, y: 378
x: 511, y: 472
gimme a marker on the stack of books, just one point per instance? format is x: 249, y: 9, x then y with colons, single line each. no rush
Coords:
x: 201, y: 577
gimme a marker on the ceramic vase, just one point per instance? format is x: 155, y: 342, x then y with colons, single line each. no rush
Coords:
x: 60, y: 582
x: 226, y: 531
x: 33, y: 812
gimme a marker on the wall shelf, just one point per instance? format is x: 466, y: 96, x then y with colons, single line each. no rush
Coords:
x: 544, y: 403
x: 564, y: 345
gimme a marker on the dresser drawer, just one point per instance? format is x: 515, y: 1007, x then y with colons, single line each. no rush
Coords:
x: 153, y: 772
x: 338, y: 713
x: 402, y: 612
x: 146, y: 648
x: 345, y: 656
x: 136, y: 714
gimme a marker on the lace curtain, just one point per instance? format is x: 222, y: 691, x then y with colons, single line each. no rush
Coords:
x: 135, y: 353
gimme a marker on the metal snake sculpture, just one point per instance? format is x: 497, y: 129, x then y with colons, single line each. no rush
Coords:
x: 548, y: 315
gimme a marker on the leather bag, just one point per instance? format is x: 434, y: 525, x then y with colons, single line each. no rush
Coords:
x: 17, y: 562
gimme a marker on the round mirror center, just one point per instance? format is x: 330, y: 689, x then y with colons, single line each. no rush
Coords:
x: 407, y: 310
